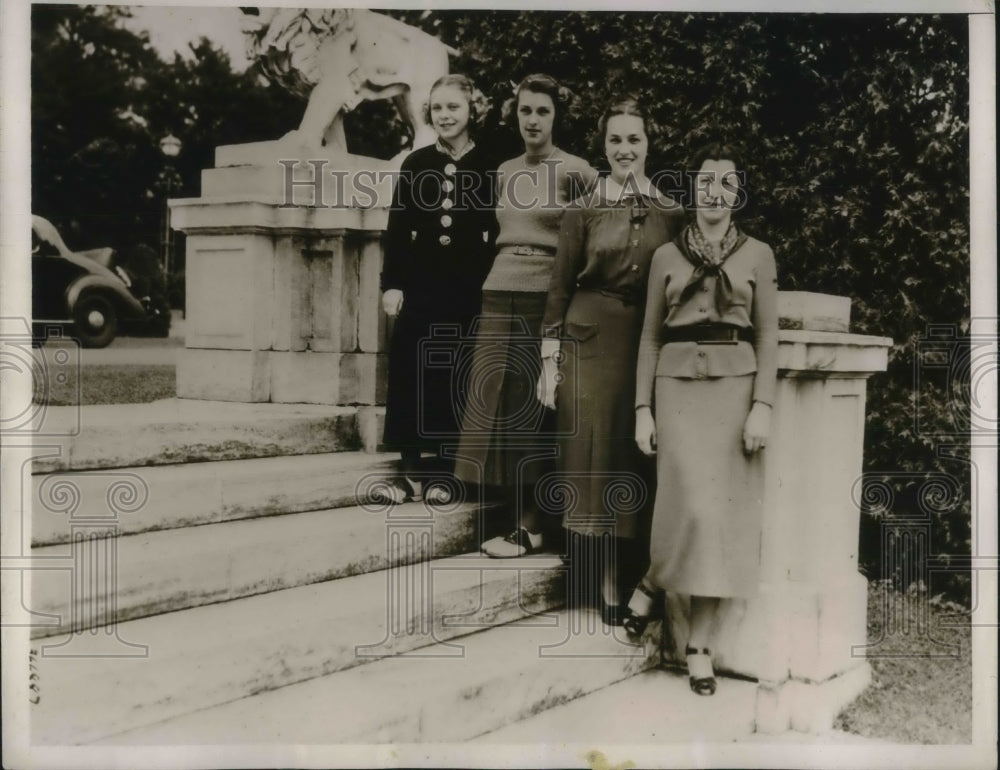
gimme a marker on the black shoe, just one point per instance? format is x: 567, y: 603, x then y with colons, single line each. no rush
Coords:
x: 634, y: 623
x: 701, y: 677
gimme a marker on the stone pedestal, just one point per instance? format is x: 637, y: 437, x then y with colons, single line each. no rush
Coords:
x: 802, y: 636
x: 283, y: 264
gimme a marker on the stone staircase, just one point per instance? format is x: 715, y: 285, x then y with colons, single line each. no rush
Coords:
x: 214, y: 573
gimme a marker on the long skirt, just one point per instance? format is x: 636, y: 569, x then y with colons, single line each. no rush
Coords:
x: 506, y: 437
x: 706, y: 531
x: 605, y: 484
x: 424, y: 398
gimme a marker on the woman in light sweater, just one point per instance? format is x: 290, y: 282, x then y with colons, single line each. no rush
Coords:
x: 507, y: 436
x: 709, y: 344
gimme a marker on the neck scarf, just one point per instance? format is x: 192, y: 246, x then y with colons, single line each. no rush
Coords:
x: 708, y: 260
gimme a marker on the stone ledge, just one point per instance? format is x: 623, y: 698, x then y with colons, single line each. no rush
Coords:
x: 805, y: 353
x: 469, y: 688
x: 199, y: 658
x: 227, y: 214
x: 808, y: 707
x: 180, y: 430
x: 192, y: 494
x: 159, y: 572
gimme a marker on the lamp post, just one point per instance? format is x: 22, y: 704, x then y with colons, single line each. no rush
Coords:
x: 170, y: 146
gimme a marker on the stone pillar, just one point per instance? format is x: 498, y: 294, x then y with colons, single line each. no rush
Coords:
x: 283, y: 264
x: 802, y: 637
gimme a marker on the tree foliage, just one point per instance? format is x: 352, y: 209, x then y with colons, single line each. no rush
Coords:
x: 855, y: 127
x: 102, y: 99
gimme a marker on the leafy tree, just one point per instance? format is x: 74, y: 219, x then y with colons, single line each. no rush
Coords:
x: 101, y: 101
x: 856, y: 132
x: 855, y: 128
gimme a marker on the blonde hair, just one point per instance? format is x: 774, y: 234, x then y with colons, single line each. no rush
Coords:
x: 479, y: 105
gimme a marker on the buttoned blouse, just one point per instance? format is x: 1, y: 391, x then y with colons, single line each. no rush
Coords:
x: 439, y: 241
x: 753, y: 305
x: 606, y: 245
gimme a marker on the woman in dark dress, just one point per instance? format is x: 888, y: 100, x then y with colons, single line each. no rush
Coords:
x: 439, y: 246
x: 591, y: 335
x: 705, y: 383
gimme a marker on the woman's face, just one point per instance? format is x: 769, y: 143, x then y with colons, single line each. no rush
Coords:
x: 535, y: 116
x: 449, y: 109
x: 625, y: 144
x: 716, y: 190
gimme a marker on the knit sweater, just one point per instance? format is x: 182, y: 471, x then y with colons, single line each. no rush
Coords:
x: 532, y: 196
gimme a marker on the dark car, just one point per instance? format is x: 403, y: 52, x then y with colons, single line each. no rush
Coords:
x: 86, y: 290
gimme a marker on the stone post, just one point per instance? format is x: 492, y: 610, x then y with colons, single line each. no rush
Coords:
x: 803, y: 636
x: 283, y: 262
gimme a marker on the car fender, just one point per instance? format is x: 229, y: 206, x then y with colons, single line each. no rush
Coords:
x: 125, y: 302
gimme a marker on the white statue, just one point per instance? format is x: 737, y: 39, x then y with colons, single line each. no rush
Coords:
x: 340, y: 57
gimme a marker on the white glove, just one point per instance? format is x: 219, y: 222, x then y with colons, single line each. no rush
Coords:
x: 392, y: 302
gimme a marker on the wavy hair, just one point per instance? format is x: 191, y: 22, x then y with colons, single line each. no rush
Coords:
x: 540, y: 83
x: 479, y: 104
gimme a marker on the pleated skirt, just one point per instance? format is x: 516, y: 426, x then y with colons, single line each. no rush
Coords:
x: 507, y: 434
x: 607, y: 485
x: 706, y: 530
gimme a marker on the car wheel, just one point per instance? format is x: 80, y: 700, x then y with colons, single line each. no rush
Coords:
x: 95, y: 322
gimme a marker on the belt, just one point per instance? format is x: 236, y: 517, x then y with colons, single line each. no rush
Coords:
x: 528, y: 251
x: 708, y: 334
x: 625, y: 297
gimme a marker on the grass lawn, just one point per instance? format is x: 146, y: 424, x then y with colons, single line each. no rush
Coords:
x: 112, y: 384
x: 921, y: 660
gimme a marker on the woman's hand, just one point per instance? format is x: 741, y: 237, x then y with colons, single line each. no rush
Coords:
x: 392, y: 301
x: 545, y: 389
x: 645, y: 430
x: 757, y: 427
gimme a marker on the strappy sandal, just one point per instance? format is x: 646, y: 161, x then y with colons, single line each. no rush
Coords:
x: 635, y: 623
x: 516, y: 544
x: 396, y: 493
x: 701, y: 677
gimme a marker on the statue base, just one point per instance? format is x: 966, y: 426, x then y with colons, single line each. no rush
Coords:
x: 283, y: 263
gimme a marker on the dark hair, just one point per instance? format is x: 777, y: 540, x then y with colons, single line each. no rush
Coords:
x: 539, y: 83
x: 719, y: 150
x: 479, y: 105
x: 627, y: 106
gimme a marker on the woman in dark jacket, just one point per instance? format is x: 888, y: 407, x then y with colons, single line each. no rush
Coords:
x: 439, y: 247
x: 592, y: 321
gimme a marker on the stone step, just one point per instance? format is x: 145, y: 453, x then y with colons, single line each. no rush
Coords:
x: 171, y: 496
x: 176, y: 430
x: 654, y: 707
x: 146, y: 671
x: 85, y: 584
x: 467, y: 688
